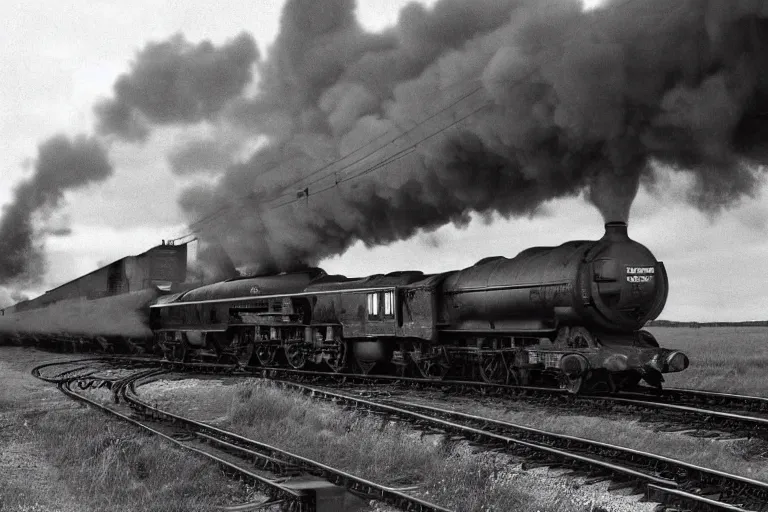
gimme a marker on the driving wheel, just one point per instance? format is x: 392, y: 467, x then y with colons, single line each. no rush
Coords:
x: 295, y: 355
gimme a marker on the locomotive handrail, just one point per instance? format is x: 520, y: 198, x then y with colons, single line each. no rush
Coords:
x: 504, y: 287
x: 276, y: 296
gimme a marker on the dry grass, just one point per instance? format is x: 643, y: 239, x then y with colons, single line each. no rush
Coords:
x: 381, y: 451
x: 729, y: 359
x: 57, y: 456
x: 746, y: 457
x: 111, y: 466
x: 452, y: 475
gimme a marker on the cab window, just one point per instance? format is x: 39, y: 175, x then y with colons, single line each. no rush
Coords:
x: 373, y: 306
x: 389, y: 305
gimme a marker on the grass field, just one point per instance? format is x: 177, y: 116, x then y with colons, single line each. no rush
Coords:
x: 741, y: 457
x: 392, y: 453
x: 112, y: 466
x: 57, y: 456
x: 731, y: 359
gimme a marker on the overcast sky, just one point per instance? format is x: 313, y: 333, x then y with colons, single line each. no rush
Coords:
x: 60, y: 58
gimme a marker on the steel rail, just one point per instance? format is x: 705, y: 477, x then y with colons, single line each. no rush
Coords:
x: 678, y: 497
x: 278, y: 492
x: 708, y: 418
x: 743, y: 488
x: 733, y: 421
x: 689, y: 479
x: 277, y: 456
x: 728, y: 401
x: 682, y: 472
x: 37, y: 370
x: 753, y: 426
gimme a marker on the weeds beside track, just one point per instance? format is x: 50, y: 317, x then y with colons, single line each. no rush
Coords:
x: 697, y: 487
x: 264, y: 456
x: 704, y: 487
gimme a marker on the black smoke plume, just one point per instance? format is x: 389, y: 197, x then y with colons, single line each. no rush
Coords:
x: 212, y: 265
x: 62, y: 164
x: 482, y: 106
x: 202, y: 156
x: 175, y: 81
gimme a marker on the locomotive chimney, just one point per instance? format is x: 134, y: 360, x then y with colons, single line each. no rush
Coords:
x: 616, y: 231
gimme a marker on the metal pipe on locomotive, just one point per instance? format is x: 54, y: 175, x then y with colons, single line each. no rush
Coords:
x: 569, y: 315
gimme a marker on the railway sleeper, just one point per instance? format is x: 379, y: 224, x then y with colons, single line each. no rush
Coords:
x: 317, y: 470
x: 299, y: 501
x: 636, y: 460
x: 596, y: 478
x: 682, y: 474
x: 731, y: 496
x: 575, y: 473
x: 261, y: 460
x: 619, y: 484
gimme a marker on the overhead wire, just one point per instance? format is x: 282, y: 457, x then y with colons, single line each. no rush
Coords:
x: 377, y: 166
x: 398, y: 135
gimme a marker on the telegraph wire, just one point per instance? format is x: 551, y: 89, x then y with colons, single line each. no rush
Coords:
x: 287, y: 189
x: 381, y: 164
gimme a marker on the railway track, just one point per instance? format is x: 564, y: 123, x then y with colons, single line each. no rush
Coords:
x: 279, y: 474
x: 662, y: 479
x: 697, y: 411
x: 690, y: 412
x: 682, y: 410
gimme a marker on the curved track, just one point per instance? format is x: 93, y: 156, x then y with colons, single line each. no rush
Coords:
x: 683, y: 410
x: 659, y: 478
x: 234, y: 453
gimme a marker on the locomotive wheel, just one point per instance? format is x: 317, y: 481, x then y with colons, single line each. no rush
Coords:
x: 239, y: 350
x: 339, y: 360
x: 432, y: 370
x: 295, y: 355
x: 493, y: 369
x: 178, y: 352
x: 592, y: 382
x: 433, y: 364
x: 572, y: 384
x: 244, y: 354
x: 265, y: 354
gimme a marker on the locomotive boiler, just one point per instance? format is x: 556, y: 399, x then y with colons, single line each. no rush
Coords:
x: 612, y: 285
x: 569, y: 315
x: 590, y: 296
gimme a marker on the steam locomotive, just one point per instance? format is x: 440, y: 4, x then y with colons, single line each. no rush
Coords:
x: 568, y: 315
